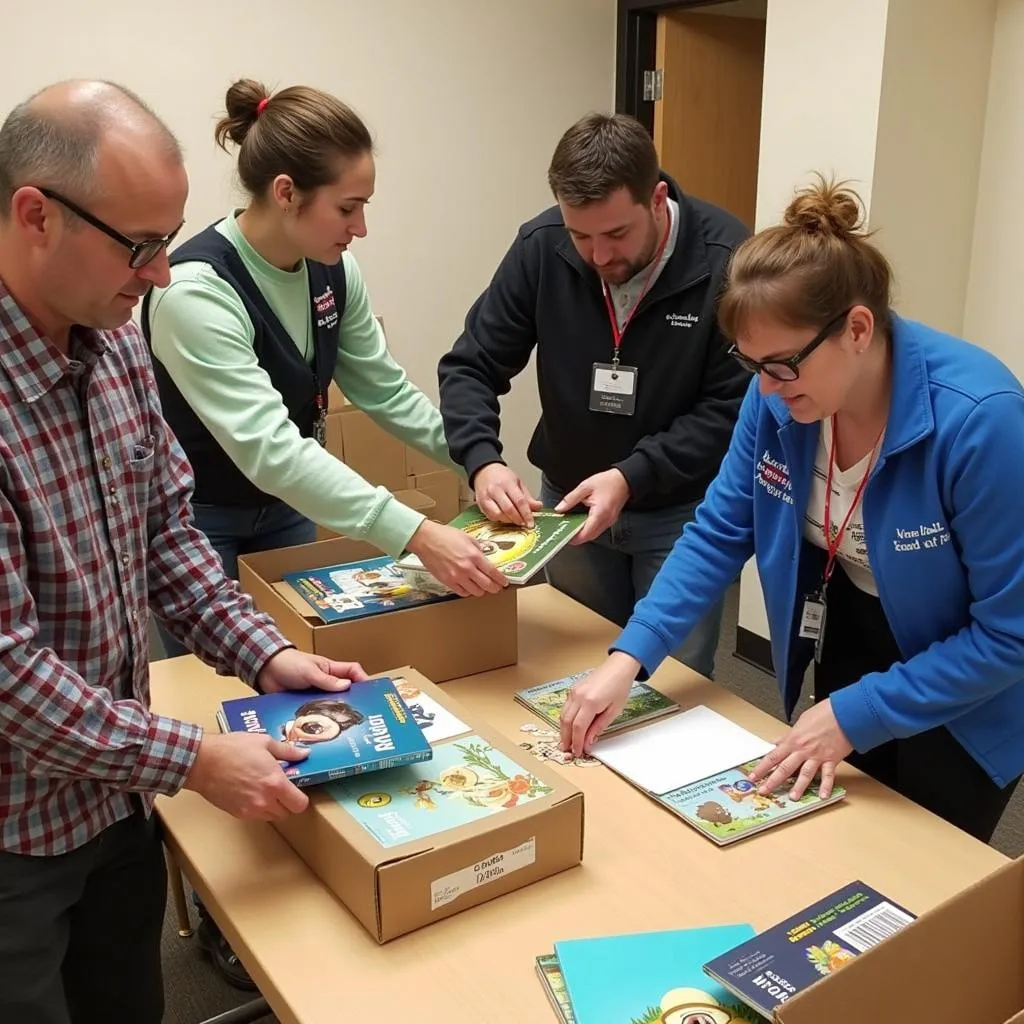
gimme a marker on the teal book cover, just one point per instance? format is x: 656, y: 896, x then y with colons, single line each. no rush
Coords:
x: 465, y: 781
x: 652, y: 977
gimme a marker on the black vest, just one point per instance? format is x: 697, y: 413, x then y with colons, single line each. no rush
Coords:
x: 218, y: 479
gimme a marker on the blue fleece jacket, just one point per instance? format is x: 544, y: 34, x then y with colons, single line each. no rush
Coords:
x: 944, y: 526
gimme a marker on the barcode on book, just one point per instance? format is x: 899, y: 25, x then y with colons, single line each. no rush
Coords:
x: 868, y: 929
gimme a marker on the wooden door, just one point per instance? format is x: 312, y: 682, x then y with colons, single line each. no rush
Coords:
x: 707, y: 126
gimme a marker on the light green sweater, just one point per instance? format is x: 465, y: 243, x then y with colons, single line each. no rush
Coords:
x: 203, y: 336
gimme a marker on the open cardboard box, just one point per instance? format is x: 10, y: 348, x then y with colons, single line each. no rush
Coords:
x: 396, y: 889
x: 444, y: 640
x: 960, y: 963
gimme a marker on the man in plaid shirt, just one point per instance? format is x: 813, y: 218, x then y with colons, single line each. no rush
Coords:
x: 96, y: 530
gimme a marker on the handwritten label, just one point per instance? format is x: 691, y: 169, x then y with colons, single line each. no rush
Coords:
x: 451, y: 887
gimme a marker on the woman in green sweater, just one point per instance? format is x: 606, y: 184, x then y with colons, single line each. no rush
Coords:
x: 264, y: 309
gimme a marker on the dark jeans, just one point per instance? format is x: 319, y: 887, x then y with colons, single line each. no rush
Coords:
x: 611, y: 573
x: 80, y: 932
x: 235, y: 531
x: 931, y: 768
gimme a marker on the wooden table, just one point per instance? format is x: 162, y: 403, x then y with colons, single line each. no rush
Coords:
x: 643, y: 869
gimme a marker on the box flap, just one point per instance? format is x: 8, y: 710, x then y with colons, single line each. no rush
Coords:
x: 960, y: 961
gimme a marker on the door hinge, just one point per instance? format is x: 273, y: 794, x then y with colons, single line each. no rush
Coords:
x: 654, y: 82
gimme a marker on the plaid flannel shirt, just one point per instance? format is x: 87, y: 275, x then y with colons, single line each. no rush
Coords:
x: 96, y: 529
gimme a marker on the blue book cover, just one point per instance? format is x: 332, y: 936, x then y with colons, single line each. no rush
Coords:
x: 651, y: 977
x: 467, y: 780
x: 362, y: 729
x: 354, y: 590
x: 790, y: 957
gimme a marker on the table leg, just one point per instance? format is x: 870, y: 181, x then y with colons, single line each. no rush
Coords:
x: 177, y: 883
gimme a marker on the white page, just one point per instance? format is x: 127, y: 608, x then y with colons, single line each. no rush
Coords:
x: 679, y: 750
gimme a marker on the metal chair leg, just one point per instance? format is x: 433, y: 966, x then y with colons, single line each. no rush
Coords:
x: 244, y: 1014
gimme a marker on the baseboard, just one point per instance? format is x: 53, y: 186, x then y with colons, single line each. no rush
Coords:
x: 754, y: 650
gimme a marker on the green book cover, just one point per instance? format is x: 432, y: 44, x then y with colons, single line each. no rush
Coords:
x: 519, y: 553
x: 643, y: 703
x: 551, y: 979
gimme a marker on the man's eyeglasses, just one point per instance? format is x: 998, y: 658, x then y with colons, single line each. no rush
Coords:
x: 141, y: 252
x: 789, y: 369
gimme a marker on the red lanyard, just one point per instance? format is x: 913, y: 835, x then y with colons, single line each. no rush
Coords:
x: 832, y: 546
x: 617, y: 332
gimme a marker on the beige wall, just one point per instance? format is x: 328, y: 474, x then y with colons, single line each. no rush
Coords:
x: 935, y: 82
x: 995, y: 296
x: 466, y: 99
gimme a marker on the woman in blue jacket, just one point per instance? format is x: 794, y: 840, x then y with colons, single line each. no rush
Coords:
x: 875, y: 476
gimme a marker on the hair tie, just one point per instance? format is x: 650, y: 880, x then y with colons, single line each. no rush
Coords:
x: 262, y: 105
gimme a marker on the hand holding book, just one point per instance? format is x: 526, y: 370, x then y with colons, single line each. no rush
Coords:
x: 456, y: 560
x: 596, y: 701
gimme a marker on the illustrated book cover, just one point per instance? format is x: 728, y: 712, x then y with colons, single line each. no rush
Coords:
x: 549, y: 970
x: 518, y: 553
x: 643, y: 704
x: 767, y: 970
x: 362, y: 729
x: 651, y: 977
x: 354, y: 590
x: 466, y: 780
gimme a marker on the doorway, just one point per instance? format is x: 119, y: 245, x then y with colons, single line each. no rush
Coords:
x: 701, y: 95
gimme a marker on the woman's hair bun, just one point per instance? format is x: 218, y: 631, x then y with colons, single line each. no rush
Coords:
x: 827, y: 208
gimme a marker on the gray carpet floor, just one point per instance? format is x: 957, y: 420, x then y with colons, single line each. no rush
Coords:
x: 195, y: 992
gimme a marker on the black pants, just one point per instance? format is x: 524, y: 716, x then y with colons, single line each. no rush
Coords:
x: 80, y: 932
x: 931, y: 768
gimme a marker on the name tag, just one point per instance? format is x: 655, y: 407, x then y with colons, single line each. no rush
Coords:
x: 812, y: 622
x: 613, y: 389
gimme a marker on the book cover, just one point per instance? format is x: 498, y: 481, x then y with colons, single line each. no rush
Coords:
x: 775, y: 965
x: 643, y: 704
x: 517, y: 552
x: 354, y: 590
x: 651, y: 977
x: 727, y: 807
x: 362, y: 729
x: 436, y: 721
x: 550, y: 973
x: 467, y: 780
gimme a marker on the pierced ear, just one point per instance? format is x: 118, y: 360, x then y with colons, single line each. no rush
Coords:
x: 284, y: 192
x: 862, y: 326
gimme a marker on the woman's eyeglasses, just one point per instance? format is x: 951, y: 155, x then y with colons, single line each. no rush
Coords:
x: 789, y: 369
x: 141, y: 252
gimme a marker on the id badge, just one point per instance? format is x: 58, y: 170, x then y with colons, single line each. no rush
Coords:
x: 812, y: 621
x: 613, y: 389
x: 320, y: 428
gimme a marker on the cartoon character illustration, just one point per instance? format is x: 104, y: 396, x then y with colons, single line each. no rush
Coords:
x: 424, y: 801
x: 321, y: 720
x: 744, y: 789
x: 692, y: 1006
x: 422, y: 718
x: 714, y: 813
x: 406, y: 690
x: 828, y: 957
x: 502, y: 542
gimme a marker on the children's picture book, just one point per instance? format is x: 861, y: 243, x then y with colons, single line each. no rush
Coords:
x: 467, y: 780
x: 727, y: 806
x: 354, y: 590
x: 362, y: 729
x: 651, y: 977
x: 550, y: 972
x: 767, y: 970
x: 436, y: 721
x: 518, y: 553
x: 643, y: 704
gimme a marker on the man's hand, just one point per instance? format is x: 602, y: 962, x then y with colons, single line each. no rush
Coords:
x: 816, y: 743
x: 454, y: 558
x: 503, y: 497
x: 240, y: 774
x: 604, y: 495
x: 295, y: 670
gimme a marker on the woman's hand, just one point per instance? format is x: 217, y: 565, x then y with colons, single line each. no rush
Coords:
x: 595, y: 701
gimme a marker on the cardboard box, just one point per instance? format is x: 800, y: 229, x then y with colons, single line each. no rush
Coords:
x: 336, y: 401
x: 443, y: 488
x: 961, y: 961
x: 418, y: 464
x: 371, y: 451
x: 443, y: 640
x: 397, y: 889
x: 415, y: 499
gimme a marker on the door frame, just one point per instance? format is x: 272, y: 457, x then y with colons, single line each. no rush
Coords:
x: 636, y: 44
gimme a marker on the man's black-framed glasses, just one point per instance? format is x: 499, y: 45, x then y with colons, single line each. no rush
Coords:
x: 789, y: 369
x: 141, y: 252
